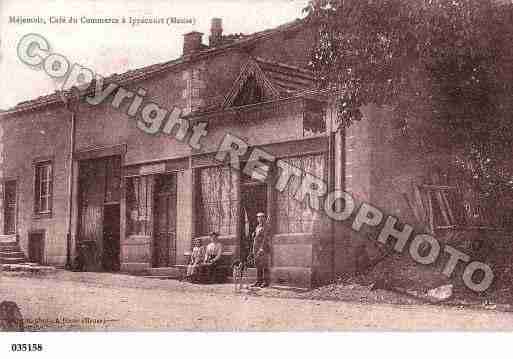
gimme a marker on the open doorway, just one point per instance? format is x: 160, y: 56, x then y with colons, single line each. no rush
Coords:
x: 98, y: 229
x: 111, y: 240
x: 253, y: 200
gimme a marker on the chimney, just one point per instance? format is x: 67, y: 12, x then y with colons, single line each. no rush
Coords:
x: 192, y: 42
x: 216, y: 32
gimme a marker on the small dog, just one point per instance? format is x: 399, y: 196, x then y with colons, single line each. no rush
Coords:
x: 238, y: 272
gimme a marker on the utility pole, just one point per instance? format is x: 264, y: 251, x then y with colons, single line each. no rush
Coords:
x: 71, y: 100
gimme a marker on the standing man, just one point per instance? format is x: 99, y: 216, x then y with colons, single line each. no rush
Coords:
x: 261, y: 251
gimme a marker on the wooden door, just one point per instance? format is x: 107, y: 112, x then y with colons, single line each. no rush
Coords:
x: 91, y: 198
x: 36, y: 247
x: 10, y: 207
x: 165, y: 222
x: 99, y: 186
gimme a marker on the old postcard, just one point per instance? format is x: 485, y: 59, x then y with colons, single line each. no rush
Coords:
x: 286, y: 165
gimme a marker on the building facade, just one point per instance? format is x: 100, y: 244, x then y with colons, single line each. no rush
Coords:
x: 136, y: 200
x: 135, y: 196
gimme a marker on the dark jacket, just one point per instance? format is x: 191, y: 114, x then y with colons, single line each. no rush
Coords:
x: 261, y: 240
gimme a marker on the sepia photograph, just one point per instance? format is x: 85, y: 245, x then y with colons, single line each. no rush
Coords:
x: 223, y: 166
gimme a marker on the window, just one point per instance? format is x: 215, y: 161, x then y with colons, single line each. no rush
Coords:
x: 139, y: 205
x: 250, y: 93
x: 196, y: 74
x: 10, y: 207
x: 43, y: 188
x: 217, y: 202
x: 445, y: 207
x: 294, y: 216
x: 314, y: 122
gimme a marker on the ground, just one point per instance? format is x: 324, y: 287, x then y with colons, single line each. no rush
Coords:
x: 101, y: 301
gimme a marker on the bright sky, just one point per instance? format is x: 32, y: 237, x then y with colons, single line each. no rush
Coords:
x: 116, y: 48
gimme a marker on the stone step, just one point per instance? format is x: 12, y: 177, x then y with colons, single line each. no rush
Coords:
x: 170, y: 272
x: 11, y: 254
x: 8, y: 239
x: 8, y: 246
x: 178, y: 272
x: 9, y: 251
x: 15, y: 260
x: 27, y: 267
x: 158, y: 277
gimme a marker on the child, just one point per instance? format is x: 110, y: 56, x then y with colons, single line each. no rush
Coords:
x: 197, y: 255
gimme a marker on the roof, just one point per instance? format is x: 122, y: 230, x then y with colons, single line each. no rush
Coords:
x: 277, y: 72
x: 285, y: 78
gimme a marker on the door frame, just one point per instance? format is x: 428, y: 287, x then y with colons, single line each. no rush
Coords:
x: 16, y: 197
x: 98, y: 155
x: 41, y: 232
x: 267, y: 189
x: 105, y: 205
x: 154, y: 246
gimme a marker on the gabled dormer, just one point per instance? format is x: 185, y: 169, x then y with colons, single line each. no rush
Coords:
x: 251, y: 87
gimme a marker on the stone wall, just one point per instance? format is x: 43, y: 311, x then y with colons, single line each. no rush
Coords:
x: 381, y: 169
x: 27, y: 138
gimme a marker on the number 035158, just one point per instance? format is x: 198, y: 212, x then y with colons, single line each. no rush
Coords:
x: 26, y: 347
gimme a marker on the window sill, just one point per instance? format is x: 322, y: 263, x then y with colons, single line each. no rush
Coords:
x: 42, y: 215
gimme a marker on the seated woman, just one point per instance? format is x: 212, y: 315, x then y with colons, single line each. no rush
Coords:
x: 197, y: 257
x: 212, y: 256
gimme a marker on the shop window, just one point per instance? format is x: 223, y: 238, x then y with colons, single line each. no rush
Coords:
x: 10, y: 207
x: 43, y: 188
x: 294, y: 216
x: 217, y: 202
x: 139, y: 205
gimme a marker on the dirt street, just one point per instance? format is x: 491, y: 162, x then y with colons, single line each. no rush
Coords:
x: 92, y: 301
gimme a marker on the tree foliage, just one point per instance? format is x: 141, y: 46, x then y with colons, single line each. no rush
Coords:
x: 444, y: 66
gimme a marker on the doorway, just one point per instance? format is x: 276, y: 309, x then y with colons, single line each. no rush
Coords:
x: 98, y: 232
x: 10, y: 207
x: 164, y: 247
x: 253, y: 201
x: 111, y: 240
x: 36, y: 247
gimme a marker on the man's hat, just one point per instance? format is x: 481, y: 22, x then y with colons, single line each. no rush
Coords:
x: 260, y: 214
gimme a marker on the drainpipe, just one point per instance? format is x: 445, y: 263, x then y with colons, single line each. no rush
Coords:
x: 331, y: 188
x: 341, y: 130
x: 70, y: 101
x: 331, y: 183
